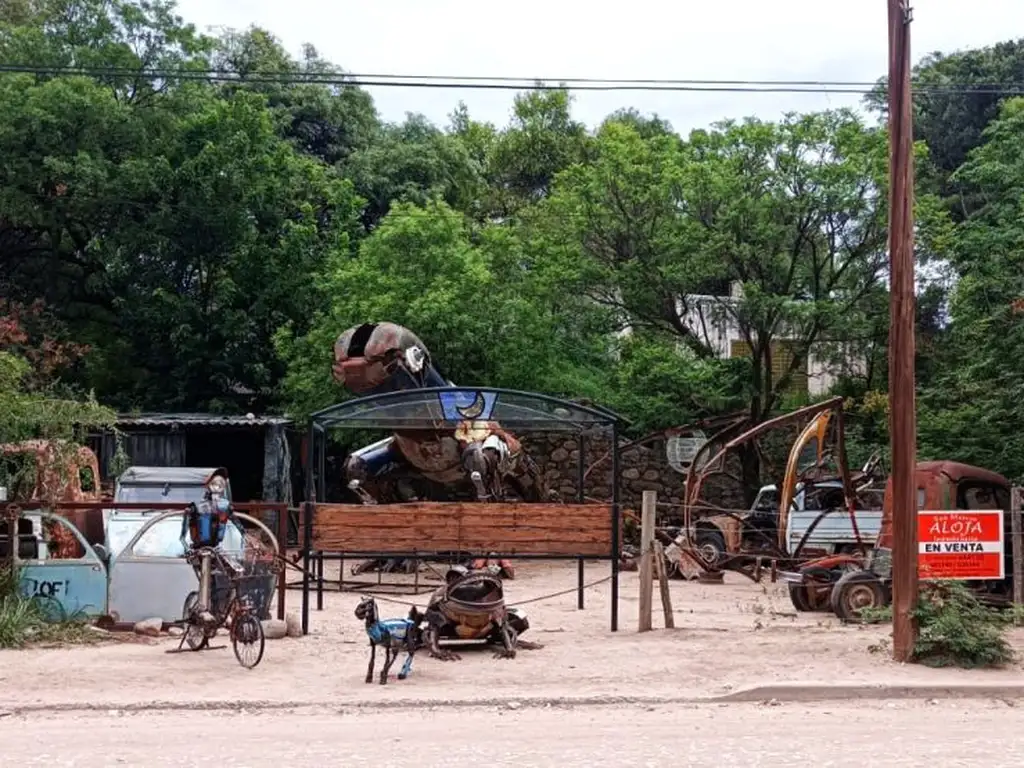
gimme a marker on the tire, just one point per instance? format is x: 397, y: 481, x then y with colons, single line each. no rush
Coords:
x: 799, y: 596
x: 711, y: 545
x: 247, y: 640
x: 807, y: 599
x: 195, y: 636
x: 855, y: 591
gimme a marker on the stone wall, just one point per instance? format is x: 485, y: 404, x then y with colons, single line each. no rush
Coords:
x: 643, y: 468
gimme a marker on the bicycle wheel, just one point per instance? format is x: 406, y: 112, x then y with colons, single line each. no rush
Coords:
x: 247, y: 639
x: 195, y: 634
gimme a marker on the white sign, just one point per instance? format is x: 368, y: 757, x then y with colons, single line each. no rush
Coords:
x: 681, y: 451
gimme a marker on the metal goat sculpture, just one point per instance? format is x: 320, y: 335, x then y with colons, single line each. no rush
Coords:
x: 476, y: 455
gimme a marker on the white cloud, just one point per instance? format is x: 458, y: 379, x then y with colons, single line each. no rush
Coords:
x: 743, y: 39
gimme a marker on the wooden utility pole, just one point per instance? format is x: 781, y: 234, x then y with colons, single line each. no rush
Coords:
x: 902, y: 416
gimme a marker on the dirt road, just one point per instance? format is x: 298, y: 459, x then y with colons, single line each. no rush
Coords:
x: 947, y: 734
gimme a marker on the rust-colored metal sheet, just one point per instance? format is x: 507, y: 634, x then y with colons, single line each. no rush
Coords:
x: 570, y: 530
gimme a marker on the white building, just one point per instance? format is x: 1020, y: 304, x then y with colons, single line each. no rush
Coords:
x: 709, y: 318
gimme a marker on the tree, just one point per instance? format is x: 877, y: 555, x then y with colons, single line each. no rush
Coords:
x: 463, y: 291
x: 959, y: 96
x: 175, y: 224
x: 32, y: 404
x: 541, y: 141
x: 327, y: 121
x: 414, y: 162
x: 237, y: 223
x: 973, y: 410
x: 790, y: 213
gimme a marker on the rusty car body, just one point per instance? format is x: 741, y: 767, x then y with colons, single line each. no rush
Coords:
x: 849, y: 586
x: 55, y: 471
x: 132, y: 585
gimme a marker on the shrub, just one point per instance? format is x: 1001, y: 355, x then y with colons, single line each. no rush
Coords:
x: 955, y: 629
x: 958, y: 630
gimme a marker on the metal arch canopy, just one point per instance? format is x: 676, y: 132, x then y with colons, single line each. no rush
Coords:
x: 446, y: 407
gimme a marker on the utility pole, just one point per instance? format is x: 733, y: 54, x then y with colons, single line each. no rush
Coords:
x: 902, y: 415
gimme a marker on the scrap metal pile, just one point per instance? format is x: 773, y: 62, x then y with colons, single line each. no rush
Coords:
x: 816, y: 489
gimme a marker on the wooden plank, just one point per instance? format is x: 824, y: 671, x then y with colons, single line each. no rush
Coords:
x: 425, y: 527
x: 400, y: 521
x: 666, y: 595
x: 522, y: 542
x: 647, y: 514
x: 457, y: 508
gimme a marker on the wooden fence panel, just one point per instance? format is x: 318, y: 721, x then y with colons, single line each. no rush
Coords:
x: 572, y: 530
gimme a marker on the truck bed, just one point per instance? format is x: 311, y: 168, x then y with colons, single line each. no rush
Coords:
x: 835, y: 529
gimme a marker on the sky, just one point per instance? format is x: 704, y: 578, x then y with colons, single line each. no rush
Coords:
x: 832, y: 40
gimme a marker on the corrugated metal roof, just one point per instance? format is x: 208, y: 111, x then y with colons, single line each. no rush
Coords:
x: 197, y: 420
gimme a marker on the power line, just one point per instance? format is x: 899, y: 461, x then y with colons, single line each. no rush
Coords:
x: 470, y: 82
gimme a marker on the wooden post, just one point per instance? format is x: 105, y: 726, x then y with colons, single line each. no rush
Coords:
x: 666, y: 595
x: 647, y: 516
x: 282, y: 543
x: 902, y: 417
x: 1017, y: 546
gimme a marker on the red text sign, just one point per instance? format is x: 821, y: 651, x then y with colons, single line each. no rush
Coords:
x: 960, y: 545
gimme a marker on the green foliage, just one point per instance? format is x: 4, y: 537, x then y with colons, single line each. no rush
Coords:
x: 661, y: 230
x: 977, y: 394
x: 952, y: 120
x: 659, y: 386
x: 465, y: 292
x: 208, y: 241
x: 955, y: 629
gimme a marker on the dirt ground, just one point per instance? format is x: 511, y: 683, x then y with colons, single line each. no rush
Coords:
x: 943, y: 734
x: 727, y: 636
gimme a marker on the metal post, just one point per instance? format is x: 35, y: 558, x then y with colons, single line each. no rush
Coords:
x: 12, y: 515
x: 902, y: 418
x: 204, y: 581
x: 321, y: 468
x: 581, y: 498
x: 310, y: 449
x: 616, y: 523
x: 1016, y: 546
x: 319, y: 581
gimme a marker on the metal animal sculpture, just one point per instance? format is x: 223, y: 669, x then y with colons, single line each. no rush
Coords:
x: 471, y: 606
x: 394, y: 635
x: 478, y: 454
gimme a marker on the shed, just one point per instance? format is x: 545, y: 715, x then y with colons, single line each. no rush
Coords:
x: 253, y: 449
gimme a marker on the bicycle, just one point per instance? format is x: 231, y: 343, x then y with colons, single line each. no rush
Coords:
x: 222, y: 606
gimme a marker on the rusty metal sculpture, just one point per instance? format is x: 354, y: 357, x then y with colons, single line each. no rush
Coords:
x: 479, y: 455
x: 471, y: 606
x: 765, y: 545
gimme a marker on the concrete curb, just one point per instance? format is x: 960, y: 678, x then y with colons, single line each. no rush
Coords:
x: 777, y: 693
x: 806, y: 692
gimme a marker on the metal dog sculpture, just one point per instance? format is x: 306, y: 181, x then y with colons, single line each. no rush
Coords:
x: 394, y: 635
